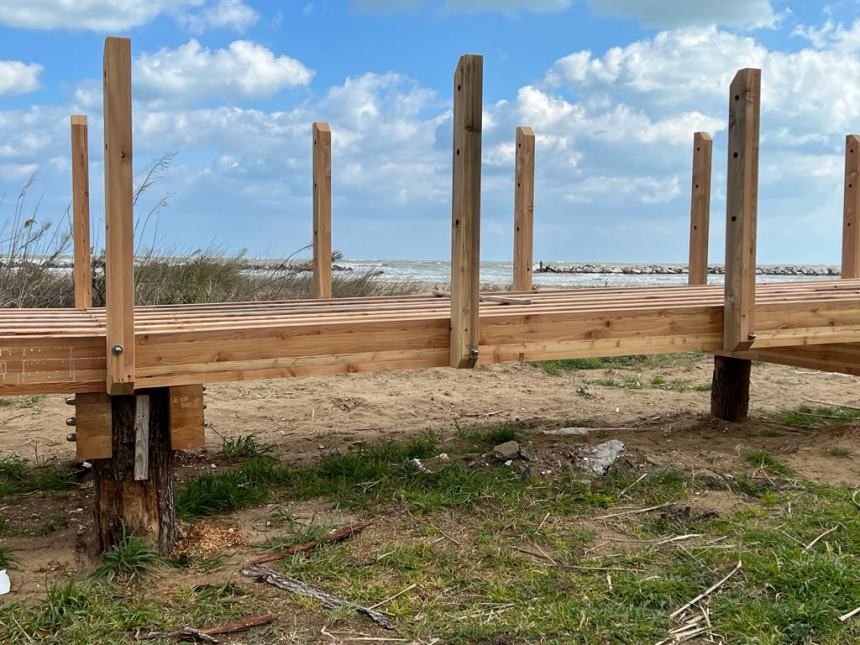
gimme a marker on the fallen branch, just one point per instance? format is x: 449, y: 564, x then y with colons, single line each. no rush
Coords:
x: 303, y: 589
x: 850, y: 614
x: 310, y: 545
x: 815, y: 541
x: 707, y: 592
x: 635, y: 511
x: 206, y: 635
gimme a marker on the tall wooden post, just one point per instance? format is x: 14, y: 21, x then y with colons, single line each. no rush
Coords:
x: 322, y: 209
x: 700, y: 209
x: 126, y: 503
x: 730, y: 387
x: 524, y: 207
x: 851, y: 209
x: 466, y: 210
x: 83, y: 266
x: 119, y: 227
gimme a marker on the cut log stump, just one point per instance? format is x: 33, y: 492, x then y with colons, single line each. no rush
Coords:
x: 122, y: 503
x: 730, y: 389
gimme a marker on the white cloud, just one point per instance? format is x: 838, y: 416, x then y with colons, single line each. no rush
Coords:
x: 18, y: 78
x: 678, y: 13
x: 225, y: 14
x: 94, y: 15
x: 240, y: 71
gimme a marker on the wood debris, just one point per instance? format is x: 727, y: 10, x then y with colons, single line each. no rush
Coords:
x: 206, y: 635
x: 330, y: 538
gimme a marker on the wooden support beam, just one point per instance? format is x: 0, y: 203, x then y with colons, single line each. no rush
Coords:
x: 119, y: 227
x: 700, y: 208
x: 322, y: 209
x: 141, y: 438
x: 741, y: 210
x: 92, y: 426
x: 524, y: 206
x: 124, y: 504
x: 730, y: 388
x: 851, y: 209
x: 186, y: 417
x: 83, y: 267
x: 466, y: 211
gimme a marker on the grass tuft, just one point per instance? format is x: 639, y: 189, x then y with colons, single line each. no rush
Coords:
x: 17, y: 477
x: 132, y: 557
x: 821, y: 416
x: 244, y: 446
x: 766, y: 461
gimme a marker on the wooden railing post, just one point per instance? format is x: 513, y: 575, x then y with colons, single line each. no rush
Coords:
x: 83, y: 266
x: 524, y: 207
x: 700, y: 209
x: 466, y: 210
x: 851, y: 209
x: 322, y: 209
x: 741, y: 210
x: 119, y: 245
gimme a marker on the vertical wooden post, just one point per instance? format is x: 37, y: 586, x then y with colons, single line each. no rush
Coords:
x: 83, y: 267
x: 322, y: 209
x: 524, y: 207
x: 119, y: 247
x: 700, y: 209
x: 741, y: 210
x: 731, y: 382
x: 851, y: 209
x: 466, y: 210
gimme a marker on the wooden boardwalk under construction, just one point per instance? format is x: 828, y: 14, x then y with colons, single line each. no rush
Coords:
x: 137, y: 372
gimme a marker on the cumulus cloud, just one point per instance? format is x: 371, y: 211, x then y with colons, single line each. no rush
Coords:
x: 225, y: 14
x: 18, y: 78
x: 94, y: 15
x: 465, y: 5
x: 192, y: 72
x: 679, y: 13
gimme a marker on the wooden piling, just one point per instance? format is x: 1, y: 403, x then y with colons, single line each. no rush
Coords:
x: 700, y: 208
x: 119, y: 227
x: 851, y: 209
x: 466, y: 210
x: 322, y: 209
x: 524, y: 206
x: 741, y: 210
x: 83, y: 266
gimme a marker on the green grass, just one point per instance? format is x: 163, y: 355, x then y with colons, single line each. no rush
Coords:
x: 557, y: 367
x: 244, y: 447
x: 17, y: 477
x: 766, y: 461
x: 487, y: 438
x: 132, y: 557
x: 28, y: 401
x: 820, y: 416
x: 7, y: 557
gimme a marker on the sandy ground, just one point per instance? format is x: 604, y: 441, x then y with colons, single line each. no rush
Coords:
x: 305, y: 418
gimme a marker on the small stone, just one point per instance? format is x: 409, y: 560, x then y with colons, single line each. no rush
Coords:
x: 528, y: 454
x: 417, y: 465
x: 506, y: 451
x: 443, y: 456
x: 600, y: 458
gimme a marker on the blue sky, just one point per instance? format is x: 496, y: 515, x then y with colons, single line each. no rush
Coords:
x: 614, y: 90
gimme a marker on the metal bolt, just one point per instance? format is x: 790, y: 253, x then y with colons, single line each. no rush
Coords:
x: 70, y: 400
x: 473, y: 352
x: 751, y: 335
x: 116, y: 350
x: 71, y: 421
x: 72, y: 436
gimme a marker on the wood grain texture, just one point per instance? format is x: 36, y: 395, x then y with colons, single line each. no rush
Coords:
x: 466, y: 210
x: 92, y: 426
x: 322, y: 210
x: 83, y: 264
x: 524, y: 206
x: 851, y: 209
x: 700, y: 208
x: 119, y: 225
x: 741, y: 209
x: 186, y: 417
x: 141, y: 438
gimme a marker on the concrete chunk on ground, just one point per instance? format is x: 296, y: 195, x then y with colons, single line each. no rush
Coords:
x: 600, y: 458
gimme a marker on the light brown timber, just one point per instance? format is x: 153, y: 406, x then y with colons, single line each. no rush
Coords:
x: 92, y: 426
x: 466, y: 211
x: 851, y: 209
x: 700, y: 208
x: 322, y: 210
x: 186, y: 417
x: 119, y: 227
x: 83, y: 265
x: 524, y: 206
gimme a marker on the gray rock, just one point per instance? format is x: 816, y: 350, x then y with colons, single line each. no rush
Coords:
x: 601, y: 457
x: 528, y: 454
x: 507, y: 450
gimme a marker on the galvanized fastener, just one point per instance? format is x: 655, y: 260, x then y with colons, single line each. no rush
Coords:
x: 72, y: 436
x: 751, y: 335
x: 116, y: 350
x: 70, y: 400
x: 473, y: 352
x: 71, y: 421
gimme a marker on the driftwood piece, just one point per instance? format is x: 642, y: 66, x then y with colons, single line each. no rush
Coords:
x: 505, y: 300
x: 207, y: 634
x: 303, y: 589
x: 310, y: 545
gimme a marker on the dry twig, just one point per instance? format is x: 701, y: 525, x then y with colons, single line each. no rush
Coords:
x: 310, y: 545
x: 707, y: 592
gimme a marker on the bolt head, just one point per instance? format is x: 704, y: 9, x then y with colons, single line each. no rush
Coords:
x: 72, y: 436
x: 70, y: 400
x: 751, y: 335
x: 473, y: 352
x: 116, y: 350
x: 71, y: 421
